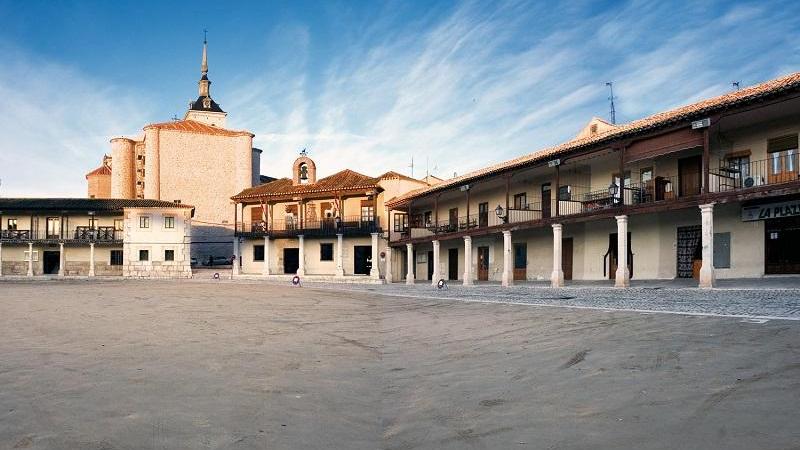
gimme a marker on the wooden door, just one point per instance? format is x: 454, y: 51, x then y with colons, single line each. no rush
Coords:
x: 430, y: 265
x: 452, y: 264
x: 483, y: 263
x: 781, y: 240
x: 291, y: 260
x: 690, y: 175
x: 483, y: 214
x: 566, y: 257
x: 521, y: 261
x: 546, y: 200
x: 362, y: 259
x: 453, y: 220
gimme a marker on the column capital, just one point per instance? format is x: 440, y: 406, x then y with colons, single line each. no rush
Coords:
x: 621, y: 218
x: 409, y: 245
x: 556, y: 226
x: 708, y: 207
x: 507, y: 233
x: 467, y: 238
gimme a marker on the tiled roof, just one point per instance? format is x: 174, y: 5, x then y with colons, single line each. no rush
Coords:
x: 392, y: 174
x: 621, y: 131
x: 84, y: 204
x: 102, y: 170
x: 340, y: 181
x: 192, y: 126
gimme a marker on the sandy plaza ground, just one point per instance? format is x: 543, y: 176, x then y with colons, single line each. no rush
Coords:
x: 246, y: 365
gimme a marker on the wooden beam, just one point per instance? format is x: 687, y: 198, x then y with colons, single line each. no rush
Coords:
x: 706, y: 160
x: 508, y: 195
x: 622, y: 175
x: 558, y: 183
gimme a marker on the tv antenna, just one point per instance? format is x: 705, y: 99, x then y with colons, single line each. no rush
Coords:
x: 412, y: 166
x: 612, y: 113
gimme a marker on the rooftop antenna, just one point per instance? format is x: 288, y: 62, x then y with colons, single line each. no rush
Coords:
x: 412, y: 166
x: 174, y: 117
x: 735, y: 85
x: 612, y: 113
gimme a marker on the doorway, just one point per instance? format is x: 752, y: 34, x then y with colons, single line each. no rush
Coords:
x: 781, y: 240
x: 521, y: 261
x: 545, y: 200
x: 291, y: 260
x: 689, y: 251
x: 51, y: 262
x: 483, y: 263
x: 566, y: 257
x: 690, y: 175
x: 362, y: 259
x: 430, y: 264
x: 612, y: 256
x: 452, y: 264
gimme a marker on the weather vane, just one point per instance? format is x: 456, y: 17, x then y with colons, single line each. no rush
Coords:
x: 303, y: 152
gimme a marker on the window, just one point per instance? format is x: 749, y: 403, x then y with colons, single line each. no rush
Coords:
x: 483, y: 214
x: 12, y: 224
x: 646, y: 174
x: 169, y: 255
x: 53, y: 227
x: 118, y: 224
x: 722, y: 250
x: 144, y: 221
x: 169, y: 222
x: 521, y: 201
x: 400, y: 222
x: 326, y: 252
x: 144, y: 255
x: 258, y: 252
x: 428, y: 218
x: 116, y: 258
x: 565, y: 193
x: 783, y: 158
x: 367, y: 211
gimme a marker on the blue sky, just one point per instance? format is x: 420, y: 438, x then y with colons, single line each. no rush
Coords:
x: 364, y: 85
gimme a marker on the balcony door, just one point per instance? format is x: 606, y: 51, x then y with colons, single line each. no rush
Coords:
x: 545, y: 200
x: 453, y: 220
x: 783, y: 159
x: 53, y: 227
x: 483, y: 214
x: 690, y: 175
x: 520, y: 261
x: 452, y: 264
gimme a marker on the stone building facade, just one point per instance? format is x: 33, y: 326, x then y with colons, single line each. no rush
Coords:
x: 66, y: 237
x: 196, y: 160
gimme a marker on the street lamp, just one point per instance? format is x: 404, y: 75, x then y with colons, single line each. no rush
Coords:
x: 499, y: 211
x: 613, y: 189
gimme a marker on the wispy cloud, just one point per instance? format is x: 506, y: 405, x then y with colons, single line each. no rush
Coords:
x: 456, y: 89
x: 56, y: 124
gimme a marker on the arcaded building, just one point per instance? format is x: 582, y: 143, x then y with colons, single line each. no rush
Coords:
x: 330, y: 228
x: 197, y: 160
x: 706, y: 191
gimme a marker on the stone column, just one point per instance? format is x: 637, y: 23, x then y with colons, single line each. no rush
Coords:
x: 235, y: 262
x: 62, y: 259
x: 557, y: 277
x: 265, y: 269
x: 339, y: 253
x: 467, y: 261
x: 301, y: 266
x: 30, y: 259
x: 707, y: 278
x: 623, y: 277
x: 373, y: 271
x: 410, y: 261
x: 91, y: 259
x: 436, y: 258
x: 508, y: 262
x: 389, y: 275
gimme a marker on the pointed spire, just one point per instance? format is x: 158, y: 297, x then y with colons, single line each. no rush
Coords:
x: 204, y: 65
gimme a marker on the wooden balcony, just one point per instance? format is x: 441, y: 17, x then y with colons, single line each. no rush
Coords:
x: 82, y: 234
x: 348, y: 226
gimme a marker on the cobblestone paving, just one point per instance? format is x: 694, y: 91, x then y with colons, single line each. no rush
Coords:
x: 768, y: 303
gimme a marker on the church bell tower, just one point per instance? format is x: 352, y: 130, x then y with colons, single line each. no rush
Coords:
x: 205, y: 109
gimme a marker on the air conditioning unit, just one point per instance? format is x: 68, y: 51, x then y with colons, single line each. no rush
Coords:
x: 753, y: 181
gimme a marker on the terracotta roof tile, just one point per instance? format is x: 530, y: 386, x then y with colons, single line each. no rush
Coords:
x: 622, y: 131
x: 344, y: 180
x: 192, y: 126
x: 91, y: 204
x: 102, y: 170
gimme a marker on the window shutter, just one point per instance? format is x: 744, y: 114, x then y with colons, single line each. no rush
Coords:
x: 782, y: 143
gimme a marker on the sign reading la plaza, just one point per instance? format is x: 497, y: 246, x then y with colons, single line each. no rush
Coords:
x: 771, y: 211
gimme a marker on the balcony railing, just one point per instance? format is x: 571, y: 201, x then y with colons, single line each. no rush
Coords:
x: 82, y: 233
x: 781, y: 168
x: 348, y: 225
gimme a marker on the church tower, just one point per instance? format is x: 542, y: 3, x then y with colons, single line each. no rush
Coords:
x: 205, y: 109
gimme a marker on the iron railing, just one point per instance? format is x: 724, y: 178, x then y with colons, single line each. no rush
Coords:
x: 736, y: 175
x: 348, y: 225
x: 82, y: 233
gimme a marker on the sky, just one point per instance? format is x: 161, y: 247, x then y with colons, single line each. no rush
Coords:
x: 365, y: 85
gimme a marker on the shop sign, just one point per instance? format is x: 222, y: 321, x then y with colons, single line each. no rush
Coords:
x: 771, y: 211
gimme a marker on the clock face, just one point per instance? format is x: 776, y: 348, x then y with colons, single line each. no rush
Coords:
x: 207, y: 102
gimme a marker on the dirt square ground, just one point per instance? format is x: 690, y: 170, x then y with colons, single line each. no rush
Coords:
x: 199, y: 365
